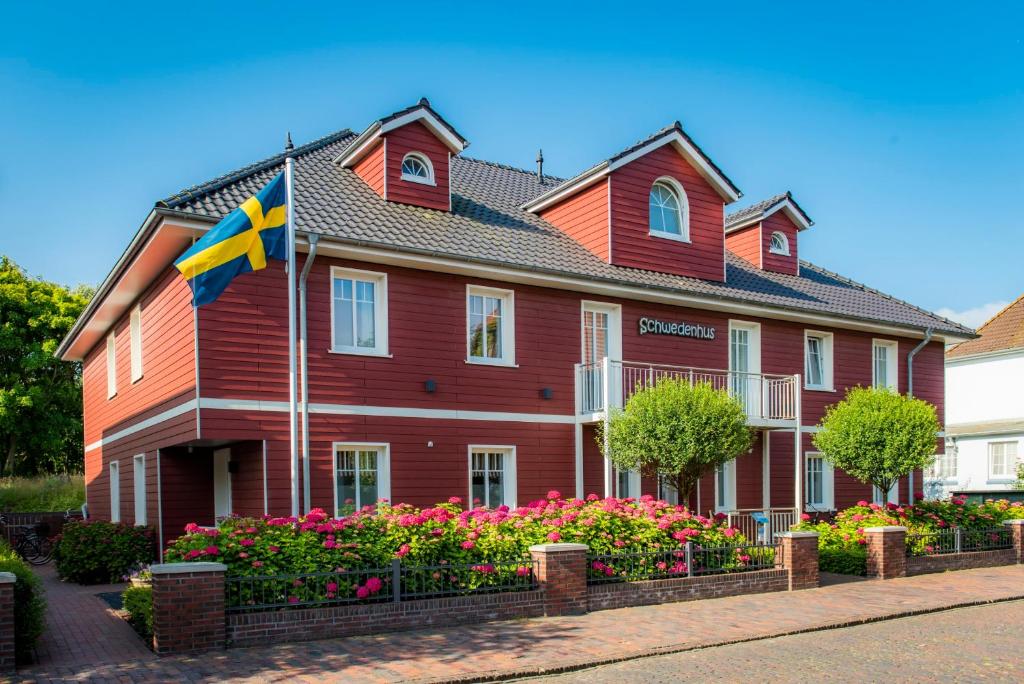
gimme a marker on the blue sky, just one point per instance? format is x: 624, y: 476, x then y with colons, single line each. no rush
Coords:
x: 900, y: 131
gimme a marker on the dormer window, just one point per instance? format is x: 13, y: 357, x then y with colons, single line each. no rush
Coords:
x: 417, y: 168
x: 779, y: 244
x: 670, y: 215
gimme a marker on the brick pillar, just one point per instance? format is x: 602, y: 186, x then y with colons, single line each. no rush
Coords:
x: 188, y: 607
x: 562, y: 574
x: 800, y: 558
x: 887, y: 552
x: 7, y: 580
x: 1017, y: 527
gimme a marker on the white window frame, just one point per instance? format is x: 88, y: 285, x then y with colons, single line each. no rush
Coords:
x: 510, y: 485
x: 828, y: 494
x: 139, y: 492
x: 1011, y: 461
x: 632, y: 484
x: 684, y: 211
x: 945, y: 466
x: 508, y: 326
x: 135, y: 339
x: 423, y: 159
x: 891, y: 364
x: 380, y: 311
x: 826, y: 361
x: 784, y: 249
x: 111, y: 365
x: 729, y: 500
x: 383, y: 450
x: 114, y: 474
x: 893, y: 497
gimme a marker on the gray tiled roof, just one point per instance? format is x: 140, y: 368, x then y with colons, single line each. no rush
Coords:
x: 487, y: 225
x: 761, y: 207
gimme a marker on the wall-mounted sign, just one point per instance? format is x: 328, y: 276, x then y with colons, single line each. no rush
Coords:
x: 654, y: 326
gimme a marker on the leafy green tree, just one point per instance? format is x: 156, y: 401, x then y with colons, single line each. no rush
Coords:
x: 40, y: 395
x: 878, y: 436
x: 678, y: 431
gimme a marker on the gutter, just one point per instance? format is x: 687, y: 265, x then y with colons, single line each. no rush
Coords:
x: 314, y: 240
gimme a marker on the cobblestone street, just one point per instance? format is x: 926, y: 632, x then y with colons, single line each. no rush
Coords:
x: 981, y: 643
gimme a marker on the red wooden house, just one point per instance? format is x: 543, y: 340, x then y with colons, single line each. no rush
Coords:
x: 469, y: 324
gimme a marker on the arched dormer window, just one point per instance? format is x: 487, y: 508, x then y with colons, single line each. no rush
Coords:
x: 670, y: 211
x: 779, y: 244
x: 417, y: 168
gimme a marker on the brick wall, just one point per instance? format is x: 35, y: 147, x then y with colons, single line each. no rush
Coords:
x: 628, y: 594
x: 188, y: 607
x: 923, y: 565
x: 887, y: 552
x: 7, y: 580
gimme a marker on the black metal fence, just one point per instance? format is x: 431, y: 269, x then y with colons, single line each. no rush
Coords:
x: 690, y: 560
x: 958, y: 540
x: 397, y: 582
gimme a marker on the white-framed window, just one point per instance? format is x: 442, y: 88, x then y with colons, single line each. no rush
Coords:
x: 745, y: 365
x: 819, y: 489
x: 115, y: 491
x: 779, y: 243
x: 490, y: 326
x: 945, y: 464
x: 725, y: 487
x: 359, y: 312
x: 893, y: 497
x: 667, y: 491
x: 883, y: 363
x: 139, y: 488
x: 1002, y: 460
x: 627, y: 484
x: 135, y: 348
x: 818, y: 360
x: 362, y: 475
x: 416, y: 167
x: 492, y: 476
x: 669, y: 210
x: 111, y: 365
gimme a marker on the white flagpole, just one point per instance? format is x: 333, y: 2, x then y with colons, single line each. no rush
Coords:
x: 292, y: 375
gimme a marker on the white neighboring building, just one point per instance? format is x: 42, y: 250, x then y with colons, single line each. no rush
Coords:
x: 984, y: 409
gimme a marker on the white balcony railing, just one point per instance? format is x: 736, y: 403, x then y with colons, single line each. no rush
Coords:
x: 763, y: 396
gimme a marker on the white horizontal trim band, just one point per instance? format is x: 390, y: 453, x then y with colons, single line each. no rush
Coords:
x: 174, y: 412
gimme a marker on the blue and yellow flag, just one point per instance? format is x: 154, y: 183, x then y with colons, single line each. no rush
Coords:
x: 241, y: 242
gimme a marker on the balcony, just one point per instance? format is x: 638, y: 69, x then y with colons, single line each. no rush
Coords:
x: 768, y: 400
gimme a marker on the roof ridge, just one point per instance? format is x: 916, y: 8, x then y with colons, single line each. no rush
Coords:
x: 885, y: 295
x: 203, y: 189
x: 507, y: 167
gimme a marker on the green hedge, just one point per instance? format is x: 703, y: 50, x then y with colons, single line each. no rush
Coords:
x: 98, y: 552
x: 138, y: 602
x: 41, y: 494
x: 29, y: 602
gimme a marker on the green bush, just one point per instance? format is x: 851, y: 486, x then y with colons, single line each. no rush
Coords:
x: 97, y: 551
x: 41, y: 494
x: 29, y: 602
x: 138, y: 602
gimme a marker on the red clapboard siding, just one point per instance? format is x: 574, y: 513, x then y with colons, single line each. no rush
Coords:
x: 584, y: 217
x: 415, y: 137
x: 632, y: 244
x: 780, y: 222
x: 371, y: 168
x: 187, y: 481
x: 746, y: 244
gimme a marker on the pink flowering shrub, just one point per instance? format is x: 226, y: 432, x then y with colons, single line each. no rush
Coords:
x: 479, y: 542
x: 842, y: 542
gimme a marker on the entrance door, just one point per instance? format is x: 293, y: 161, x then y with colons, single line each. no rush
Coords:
x: 745, y: 365
x: 602, y: 337
x: 221, y: 484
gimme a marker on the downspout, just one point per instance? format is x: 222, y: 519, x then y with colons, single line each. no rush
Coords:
x: 910, y: 393
x: 314, y: 239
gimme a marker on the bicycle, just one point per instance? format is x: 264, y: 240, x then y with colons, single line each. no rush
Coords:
x: 34, y: 543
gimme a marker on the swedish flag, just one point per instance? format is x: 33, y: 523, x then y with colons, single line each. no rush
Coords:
x: 241, y: 242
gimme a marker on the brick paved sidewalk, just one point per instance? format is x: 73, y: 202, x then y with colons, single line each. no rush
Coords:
x: 508, y: 649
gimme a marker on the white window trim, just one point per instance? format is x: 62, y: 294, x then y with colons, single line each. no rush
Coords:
x: 891, y: 363
x: 634, y: 484
x: 729, y: 501
x: 509, y: 468
x: 111, y: 353
x: 938, y: 472
x: 785, y: 244
x: 135, y: 339
x: 684, y: 211
x: 828, y: 490
x: 893, y: 497
x: 429, y: 180
x: 993, y: 478
x: 383, y: 450
x: 114, y: 474
x: 380, y: 313
x: 508, y: 326
x: 139, y: 493
x: 827, y: 365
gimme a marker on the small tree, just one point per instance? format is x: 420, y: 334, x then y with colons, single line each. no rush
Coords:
x: 878, y: 436
x: 678, y: 431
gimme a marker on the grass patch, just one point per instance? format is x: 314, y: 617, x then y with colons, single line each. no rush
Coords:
x: 42, y: 494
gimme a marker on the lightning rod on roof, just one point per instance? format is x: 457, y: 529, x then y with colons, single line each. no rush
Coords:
x: 540, y: 166
x: 288, y: 146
